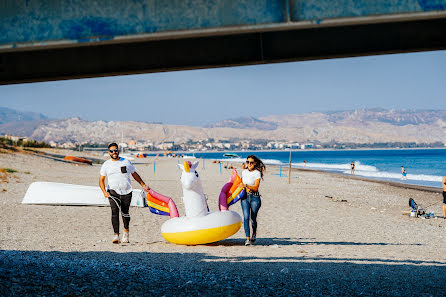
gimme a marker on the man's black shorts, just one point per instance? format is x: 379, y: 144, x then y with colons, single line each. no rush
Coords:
x: 444, y: 197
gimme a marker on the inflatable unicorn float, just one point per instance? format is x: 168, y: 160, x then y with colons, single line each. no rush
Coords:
x: 198, y: 225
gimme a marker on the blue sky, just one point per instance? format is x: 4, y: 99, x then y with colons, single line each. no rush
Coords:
x: 198, y: 97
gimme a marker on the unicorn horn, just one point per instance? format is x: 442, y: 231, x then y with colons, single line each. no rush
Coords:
x: 186, y: 166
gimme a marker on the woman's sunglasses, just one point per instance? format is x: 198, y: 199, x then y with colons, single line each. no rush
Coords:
x: 113, y: 151
x: 249, y: 162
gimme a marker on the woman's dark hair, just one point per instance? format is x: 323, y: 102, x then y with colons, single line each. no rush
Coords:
x: 113, y: 144
x: 259, y: 164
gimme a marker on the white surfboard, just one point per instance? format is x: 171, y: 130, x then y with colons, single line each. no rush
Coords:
x: 68, y: 194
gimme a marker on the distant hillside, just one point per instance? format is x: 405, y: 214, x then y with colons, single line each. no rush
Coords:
x: 366, y: 125
x: 393, y: 117
x: 361, y: 117
x: 361, y: 126
x: 8, y: 115
x: 245, y: 123
x: 18, y: 122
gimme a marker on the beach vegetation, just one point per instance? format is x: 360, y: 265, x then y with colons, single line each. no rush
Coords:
x: 33, y: 143
x: 5, y: 146
x: 10, y: 144
x: 27, y: 172
x: 8, y: 170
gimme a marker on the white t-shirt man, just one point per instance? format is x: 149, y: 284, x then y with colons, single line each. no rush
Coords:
x: 118, y: 175
x: 249, y: 177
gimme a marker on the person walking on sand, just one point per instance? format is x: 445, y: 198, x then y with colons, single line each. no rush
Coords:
x: 352, y: 168
x: 119, y: 189
x: 251, y: 201
x: 403, y: 173
x: 444, y: 197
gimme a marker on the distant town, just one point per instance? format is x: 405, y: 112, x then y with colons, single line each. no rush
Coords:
x: 213, y: 145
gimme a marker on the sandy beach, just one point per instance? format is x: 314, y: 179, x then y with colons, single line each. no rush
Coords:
x: 322, y: 234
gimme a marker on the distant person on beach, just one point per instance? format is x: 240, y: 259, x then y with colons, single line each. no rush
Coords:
x: 444, y: 197
x: 305, y: 163
x: 119, y: 189
x: 352, y: 168
x: 251, y: 201
x: 403, y: 173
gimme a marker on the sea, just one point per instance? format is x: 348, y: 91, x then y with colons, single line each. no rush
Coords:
x: 424, y: 167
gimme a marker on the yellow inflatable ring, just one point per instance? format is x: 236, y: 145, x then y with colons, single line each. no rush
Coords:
x: 212, y: 227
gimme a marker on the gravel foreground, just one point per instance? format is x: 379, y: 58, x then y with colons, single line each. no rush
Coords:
x: 130, y: 274
x: 322, y: 235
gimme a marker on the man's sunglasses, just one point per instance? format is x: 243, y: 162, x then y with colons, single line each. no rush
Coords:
x: 249, y: 162
x: 113, y: 151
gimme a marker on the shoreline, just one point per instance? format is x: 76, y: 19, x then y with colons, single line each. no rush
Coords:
x: 384, y: 182
x: 380, y: 181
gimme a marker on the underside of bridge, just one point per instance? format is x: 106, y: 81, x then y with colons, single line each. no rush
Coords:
x: 53, y: 40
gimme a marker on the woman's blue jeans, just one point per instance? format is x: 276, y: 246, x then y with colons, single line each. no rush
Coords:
x: 250, y: 207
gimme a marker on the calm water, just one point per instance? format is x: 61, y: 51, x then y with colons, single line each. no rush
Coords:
x: 424, y: 166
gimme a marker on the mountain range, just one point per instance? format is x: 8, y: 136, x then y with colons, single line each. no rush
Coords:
x: 361, y: 126
x: 18, y: 122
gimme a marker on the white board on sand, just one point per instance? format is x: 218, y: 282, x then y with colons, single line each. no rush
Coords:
x: 68, y: 194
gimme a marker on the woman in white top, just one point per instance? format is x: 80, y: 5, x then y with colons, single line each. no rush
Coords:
x: 251, y: 201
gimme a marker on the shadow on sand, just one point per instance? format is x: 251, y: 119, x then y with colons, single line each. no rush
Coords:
x: 144, y: 273
x: 296, y: 241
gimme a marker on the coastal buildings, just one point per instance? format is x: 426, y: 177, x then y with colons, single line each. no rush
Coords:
x: 212, y: 144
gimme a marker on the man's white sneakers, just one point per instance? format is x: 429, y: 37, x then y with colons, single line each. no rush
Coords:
x: 125, y: 237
